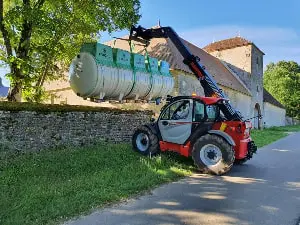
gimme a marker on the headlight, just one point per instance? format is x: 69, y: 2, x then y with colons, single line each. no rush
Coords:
x: 248, y: 124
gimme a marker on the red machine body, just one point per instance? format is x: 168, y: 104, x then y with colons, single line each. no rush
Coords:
x: 238, y: 130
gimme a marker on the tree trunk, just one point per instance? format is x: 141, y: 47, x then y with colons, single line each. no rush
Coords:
x: 15, y: 93
x: 15, y: 90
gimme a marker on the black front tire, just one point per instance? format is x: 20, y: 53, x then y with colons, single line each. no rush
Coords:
x: 226, y: 159
x: 150, y: 144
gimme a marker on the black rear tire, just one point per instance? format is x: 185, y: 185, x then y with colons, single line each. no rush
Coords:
x: 145, y: 141
x: 222, y: 152
x: 240, y: 161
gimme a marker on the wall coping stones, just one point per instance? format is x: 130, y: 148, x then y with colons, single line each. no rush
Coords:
x: 25, y: 106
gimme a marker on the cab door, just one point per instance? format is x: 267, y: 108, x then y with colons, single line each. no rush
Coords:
x: 175, y: 122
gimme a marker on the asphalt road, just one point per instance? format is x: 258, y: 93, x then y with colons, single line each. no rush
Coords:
x: 264, y: 191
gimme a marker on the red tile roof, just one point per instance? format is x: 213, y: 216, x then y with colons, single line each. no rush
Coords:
x: 164, y: 49
x: 228, y: 44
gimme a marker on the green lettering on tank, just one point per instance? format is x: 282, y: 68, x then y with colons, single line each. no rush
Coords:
x: 104, y: 55
x: 122, y: 58
x: 152, y: 65
x: 138, y: 63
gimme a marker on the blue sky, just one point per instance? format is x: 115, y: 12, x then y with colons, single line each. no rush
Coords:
x: 274, y: 26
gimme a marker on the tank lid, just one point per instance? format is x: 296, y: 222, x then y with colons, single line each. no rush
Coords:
x: 102, y: 53
x: 164, y: 68
x: 138, y: 62
x: 122, y: 58
x: 89, y: 47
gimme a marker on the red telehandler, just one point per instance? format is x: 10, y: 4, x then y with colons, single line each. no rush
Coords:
x: 206, y: 128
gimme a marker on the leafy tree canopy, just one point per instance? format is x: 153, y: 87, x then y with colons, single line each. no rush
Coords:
x: 282, y: 80
x: 39, y: 38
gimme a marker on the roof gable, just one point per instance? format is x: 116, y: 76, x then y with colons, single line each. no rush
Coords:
x: 228, y: 44
x: 164, y: 49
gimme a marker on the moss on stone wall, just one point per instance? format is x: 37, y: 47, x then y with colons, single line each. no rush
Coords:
x: 26, y: 106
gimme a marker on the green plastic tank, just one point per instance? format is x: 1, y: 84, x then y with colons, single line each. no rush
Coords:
x: 142, y: 82
x: 156, y: 79
x: 122, y: 59
x: 94, y: 73
x: 100, y: 72
x: 168, y: 80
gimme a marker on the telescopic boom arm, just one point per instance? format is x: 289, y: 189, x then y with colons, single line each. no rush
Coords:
x: 210, y: 87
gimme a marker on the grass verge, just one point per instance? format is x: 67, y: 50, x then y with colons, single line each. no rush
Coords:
x: 52, y: 186
x: 269, y: 135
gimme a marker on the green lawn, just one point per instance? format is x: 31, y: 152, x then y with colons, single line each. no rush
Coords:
x: 267, y: 136
x: 51, y: 186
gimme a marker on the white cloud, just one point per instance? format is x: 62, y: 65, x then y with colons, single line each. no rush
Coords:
x: 277, y: 43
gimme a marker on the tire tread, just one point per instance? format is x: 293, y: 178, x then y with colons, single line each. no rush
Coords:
x: 225, y: 147
x: 153, y: 145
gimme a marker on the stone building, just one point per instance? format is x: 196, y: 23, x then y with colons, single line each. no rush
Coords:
x: 60, y: 92
x: 236, y: 64
x: 245, y: 59
x: 273, y: 111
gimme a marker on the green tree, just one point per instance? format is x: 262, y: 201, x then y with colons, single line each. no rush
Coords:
x: 39, y: 38
x: 282, y: 80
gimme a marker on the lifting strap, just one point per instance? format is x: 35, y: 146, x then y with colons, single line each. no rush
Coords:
x: 131, y: 47
x: 151, y: 75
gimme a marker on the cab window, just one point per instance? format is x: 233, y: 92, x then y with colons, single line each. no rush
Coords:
x: 205, y: 112
x: 199, y: 112
x: 177, y: 111
x: 212, y: 112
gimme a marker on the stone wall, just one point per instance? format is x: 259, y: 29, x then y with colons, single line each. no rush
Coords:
x: 186, y: 85
x: 273, y: 115
x: 247, y: 63
x: 239, y: 101
x: 240, y: 60
x: 35, y: 131
x: 291, y: 121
